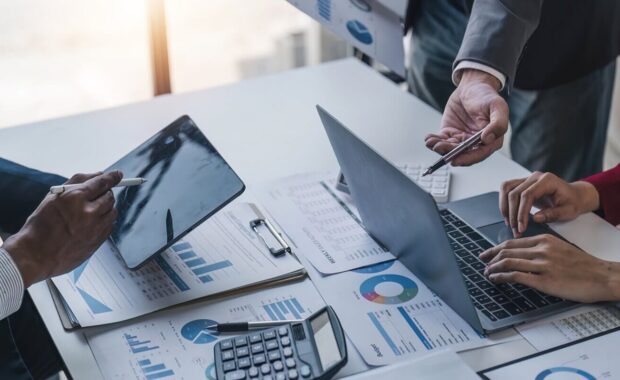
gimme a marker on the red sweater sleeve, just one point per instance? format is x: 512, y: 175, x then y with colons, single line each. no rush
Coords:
x: 608, y: 186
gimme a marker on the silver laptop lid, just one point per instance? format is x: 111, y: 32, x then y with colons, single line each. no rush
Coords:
x: 402, y: 216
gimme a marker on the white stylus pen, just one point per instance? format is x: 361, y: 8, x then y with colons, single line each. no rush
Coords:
x: 123, y: 183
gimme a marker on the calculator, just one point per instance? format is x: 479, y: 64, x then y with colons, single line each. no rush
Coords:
x: 314, y: 348
x: 436, y: 184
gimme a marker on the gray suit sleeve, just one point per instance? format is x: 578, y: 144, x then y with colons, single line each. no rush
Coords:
x: 497, y: 32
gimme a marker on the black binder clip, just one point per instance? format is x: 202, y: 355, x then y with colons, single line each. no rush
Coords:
x: 276, y: 252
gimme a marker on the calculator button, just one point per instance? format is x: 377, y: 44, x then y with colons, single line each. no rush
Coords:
x: 269, y: 335
x: 280, y: 376
x: 271, y: 345
x: 244, y: 363
x: 290, y: 363
x: 265, y: 369
x: 292, y: 374
x: 283, y: 331
x: 255, y: 338
x: 226, y: 344
x: 229, y: 366
x: 259, y: 359
x: 274, y: 355
x: 257, y: 348
x: 268, y: 377
x: 237, y: 375
x: 228, y: 355
x: 305, y: 371
x: 288, y: 352
x: 242, y: 351
x: 240, y: 342
x: 278, y: 366
x: 253, y: 372
x: 286, y: 341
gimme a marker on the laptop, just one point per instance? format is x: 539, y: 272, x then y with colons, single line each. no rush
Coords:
x: 439, y: 245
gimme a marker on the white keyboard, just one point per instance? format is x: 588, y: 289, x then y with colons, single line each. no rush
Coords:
x: 437, y: 184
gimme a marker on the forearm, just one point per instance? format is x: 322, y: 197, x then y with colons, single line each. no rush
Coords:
x: 607, y: 185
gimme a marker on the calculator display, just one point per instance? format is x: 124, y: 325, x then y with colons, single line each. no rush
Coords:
x: 329, y: 353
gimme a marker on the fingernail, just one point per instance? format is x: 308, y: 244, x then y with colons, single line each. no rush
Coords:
x: 506, y: 222
x: 515, y: 233
x: 521, y: 228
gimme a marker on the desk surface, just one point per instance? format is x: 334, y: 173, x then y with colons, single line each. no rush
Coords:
x: 268, y: 128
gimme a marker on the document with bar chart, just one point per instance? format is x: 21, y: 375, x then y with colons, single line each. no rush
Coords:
x: 223, y: 254
x: 322, y: 222
x: 390, y: 315
x: 176, y: 344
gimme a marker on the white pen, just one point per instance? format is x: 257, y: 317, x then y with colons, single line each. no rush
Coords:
x: 123, y: 183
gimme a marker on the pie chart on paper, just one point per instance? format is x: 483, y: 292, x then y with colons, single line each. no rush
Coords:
x: 197, y: 331
x: 373, y: 288
x: 360, y: 32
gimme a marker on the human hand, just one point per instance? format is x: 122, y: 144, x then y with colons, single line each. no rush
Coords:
x: 555, y: 267
x: 474, y: 105
x: 66, y: 228
x: 557, y: 199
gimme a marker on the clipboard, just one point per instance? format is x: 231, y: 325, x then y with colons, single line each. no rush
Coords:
x: 268, y: 234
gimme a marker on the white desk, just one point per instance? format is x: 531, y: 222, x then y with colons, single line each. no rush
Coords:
x: 268, y: 128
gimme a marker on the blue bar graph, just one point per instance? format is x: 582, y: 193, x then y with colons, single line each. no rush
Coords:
x: 197, y: 264
x: 384, y: 334
x: 154, y: 371
x: 174, y: 276
x: 283, y: 310
x: 138, y: 346
x: 325, y: 9
x: 415, y: 328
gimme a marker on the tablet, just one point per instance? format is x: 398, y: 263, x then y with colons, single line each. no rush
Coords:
x: 188, y: 181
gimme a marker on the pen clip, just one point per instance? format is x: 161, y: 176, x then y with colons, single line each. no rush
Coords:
x: 276, y: 252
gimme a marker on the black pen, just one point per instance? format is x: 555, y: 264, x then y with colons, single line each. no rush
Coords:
x: 247, y: 326
x: 448, y: 157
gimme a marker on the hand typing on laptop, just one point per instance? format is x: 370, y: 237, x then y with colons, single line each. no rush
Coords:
x: 546, y: 262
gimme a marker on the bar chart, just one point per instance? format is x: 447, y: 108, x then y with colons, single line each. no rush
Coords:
x: 289, y: 308
x: 199, y: 266
x: 137, y: 346
x: 154, y: 371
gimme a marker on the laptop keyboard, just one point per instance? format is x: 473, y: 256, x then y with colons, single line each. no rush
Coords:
x: 495, y: 301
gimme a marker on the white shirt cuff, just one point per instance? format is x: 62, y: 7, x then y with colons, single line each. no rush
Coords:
x: 11, y: 285
x: 456, y: 74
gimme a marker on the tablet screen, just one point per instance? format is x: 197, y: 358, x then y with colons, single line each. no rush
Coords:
x: 188, y: 181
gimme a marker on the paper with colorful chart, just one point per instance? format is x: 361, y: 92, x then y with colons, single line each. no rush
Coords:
x: 220, y: 255
x: 390, y: 315
x: 175, y: 344
x: 591, y: 359
x: 370, y: 26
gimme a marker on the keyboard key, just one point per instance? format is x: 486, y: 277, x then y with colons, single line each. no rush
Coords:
x: 265, y: 369
x: 290, y: 363
x: 475, y: 292
x: 444, y: 212
x: 553, y: 299
x: 470, y: 246
x: 253, y: 372
x: 268, y: 377
x: 228, y: 355
x: 484, y: 285
x: 459, y: 223
x: 501, y: 314
x: 492, y: 306
x: 474, y: 236
x: 449, y: 228
x: 476, y: 252
x: 524, y: 304
x: 455, y: 245
x: 520, y: 286
x: 489, y: 315
x: 229, y: 366
x: 456, y: 234
x: 271, y: 345
x: 305, y: 371
x: 483, y: 299
x: 285, y: 341
x: 504, y: 287
x: 237, y: 375
x: 476, y: 278
x: 255, y: 338
x: 501, y: 299
x: 461, y: 253
x: 484, y: 244
x: 480, y: 267
x: 280, y: 376
x: 259, y: 359
x: 464, y: 241
x: 257, y: 348
x: 283, y: 331
x: 244, y: 363
x: 467, y: 271
x: 274, y: 355
x: 512, y: 293
x: 471, y: 259
x: 242, y: 351
x: 278, y: 366
x: 512, y: 308
x: 492, y: 292
x: 469, y: 284
x: 287, y: 352
x: 269, y: 335
x: 461, y: 264
x: 241, y: 341
x: 292, y: 374
x: 467, y: 230
x: 536, y: 299
x: 226, y: 344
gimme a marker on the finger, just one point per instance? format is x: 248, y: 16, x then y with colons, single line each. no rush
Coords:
x: 505, y: 189
x: 81, y: 178
x: 514, y: 253
x: 99, y: 185
x: 514, y: 265
x: 554, y: 214
x: 443, y: 147
x: 527, y: 242
x: 535, y: 192
x: 514, y: 203
x: 527, y: 279
x: 498, y: 121
x: 104, y: 203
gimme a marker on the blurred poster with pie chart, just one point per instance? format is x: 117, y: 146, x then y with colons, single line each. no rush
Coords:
x: 197, y: 331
